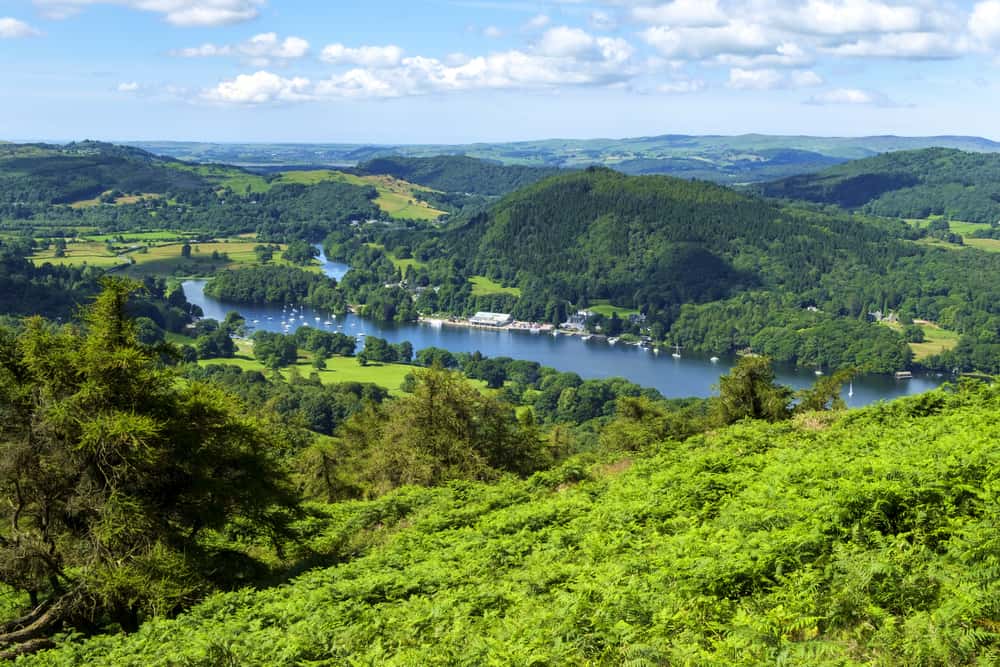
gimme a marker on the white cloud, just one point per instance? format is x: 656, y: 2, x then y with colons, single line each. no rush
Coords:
x: 186, y: 13
x: 770, y: 79
x: 128, y: 87
x: 365, y: 56
x: 846, y: 96
x: 601, y: 20
x: 846, y: 17
x: 260, y: 88
x: 736, y: 37
x: 683, y: 13
x: 537, y: 22
x: 563, y: 42
x: 259, y: 49
x: 984, y: 23
x: 11, y: 28
x: 906, y: 45
x: 683, y: 87
x: 492, y: 32
x: 607, y: 61
x: 786, y: 54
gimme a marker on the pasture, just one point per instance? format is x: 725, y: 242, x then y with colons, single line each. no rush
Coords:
x: 483, y: 286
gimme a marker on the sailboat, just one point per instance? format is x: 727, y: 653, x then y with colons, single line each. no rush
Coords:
x: 850, y: 390
x: 677, y: 352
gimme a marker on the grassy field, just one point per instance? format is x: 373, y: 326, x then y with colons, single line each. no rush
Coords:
x: 338, y: 369
x: 965, y: 229
x: 162, y: 255
x: 605, y: 308
x: 119, y: 201
x: 483, y: 286
x: 395, y: 197
x: 401, y: 264
x: 146, y: 237
x: 79, y: 253
x: 936, y: 340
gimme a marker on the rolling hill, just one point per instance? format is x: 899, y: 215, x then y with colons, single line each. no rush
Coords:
x: 726, y: 159
x: 907, y: 184
x: 457, y: 173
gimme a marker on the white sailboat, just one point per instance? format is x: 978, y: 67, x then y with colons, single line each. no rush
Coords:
x: 850, y: 390
x: 677, y: 352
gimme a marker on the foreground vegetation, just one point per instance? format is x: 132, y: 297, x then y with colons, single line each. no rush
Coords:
x: 864, y: 538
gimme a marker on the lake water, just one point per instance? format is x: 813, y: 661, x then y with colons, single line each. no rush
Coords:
x: 674, y: 378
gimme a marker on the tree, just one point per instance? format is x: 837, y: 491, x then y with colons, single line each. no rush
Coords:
x: 444, y: 430
x: 113, y: 475
x: 750, y: 392
x: 825, y: 393
x: 186, y: 251
x: 274, y: 350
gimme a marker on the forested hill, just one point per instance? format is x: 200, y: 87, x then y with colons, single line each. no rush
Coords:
x: 908, y: 184
x: 42, y: 173
x: 655, y: 240
x: 868, y: 538
x: 457, y: 173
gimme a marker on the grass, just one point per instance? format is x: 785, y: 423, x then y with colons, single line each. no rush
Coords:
x: 338, y: 369
x: 119, y: 201
x: 401, y: 264
x: 396, y: 197
x: 965, y: 229
x: 605, y: 308
x: 77, y: 254
x: 149, y: 237
x: 483, y: 286
x: 936, y: 339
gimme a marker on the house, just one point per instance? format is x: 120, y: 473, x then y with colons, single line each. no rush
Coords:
x: 577, y: 322
x: 485, y: 319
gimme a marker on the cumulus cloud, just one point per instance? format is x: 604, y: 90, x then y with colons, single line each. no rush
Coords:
x: 382, y: 72
x: 185, y: 13
x: 128, y: 87
x: 260, y: 88
x: 492, y: 32
x: 366, y: 56
x: 687, y: 13
x: 786, y: 54
x: 563, y: 41
x: 11, y: 28
x: 260, y: 50
x: 737, y: 37
x: 847, y: 17
x: 601, y: 20
x: 984, y: 23
x: 906, y: 45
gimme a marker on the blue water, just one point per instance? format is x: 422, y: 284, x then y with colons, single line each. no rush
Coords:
x: 674, y: 378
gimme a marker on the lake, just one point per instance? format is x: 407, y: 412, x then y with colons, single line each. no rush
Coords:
x: 674, y: 378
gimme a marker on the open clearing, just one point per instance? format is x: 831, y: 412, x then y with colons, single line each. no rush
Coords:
x: 395, y: 197
x: 483, y: 286
x: 605, y: 308
x: 936, y: 339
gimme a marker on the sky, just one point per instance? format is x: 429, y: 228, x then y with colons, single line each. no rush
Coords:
x: 460, y: 71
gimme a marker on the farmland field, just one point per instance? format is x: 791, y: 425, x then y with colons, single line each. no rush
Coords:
x: 605, y: 308
x: 936, y: 340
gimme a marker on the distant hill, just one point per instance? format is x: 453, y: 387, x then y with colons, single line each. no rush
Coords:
x: 749, y: 158
x: 907, y: 184
x: 457, y: 173
x: 50, y: 174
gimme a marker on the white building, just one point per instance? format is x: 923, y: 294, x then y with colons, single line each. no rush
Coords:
x: 485, y: 319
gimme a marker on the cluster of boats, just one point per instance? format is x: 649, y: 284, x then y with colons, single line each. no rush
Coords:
x: 292, y: 318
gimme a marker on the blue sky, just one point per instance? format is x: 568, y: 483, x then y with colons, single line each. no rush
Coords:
x: 491, y: 70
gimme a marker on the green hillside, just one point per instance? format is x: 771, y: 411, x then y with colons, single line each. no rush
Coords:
x: 458, y: 173
x: 81, y: 171
x: 906, y: 184
x: 868, y: 538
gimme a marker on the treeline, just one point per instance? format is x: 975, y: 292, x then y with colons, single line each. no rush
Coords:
x: 458, y: 173
x: 906, y: 184
x: 278, y: 285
